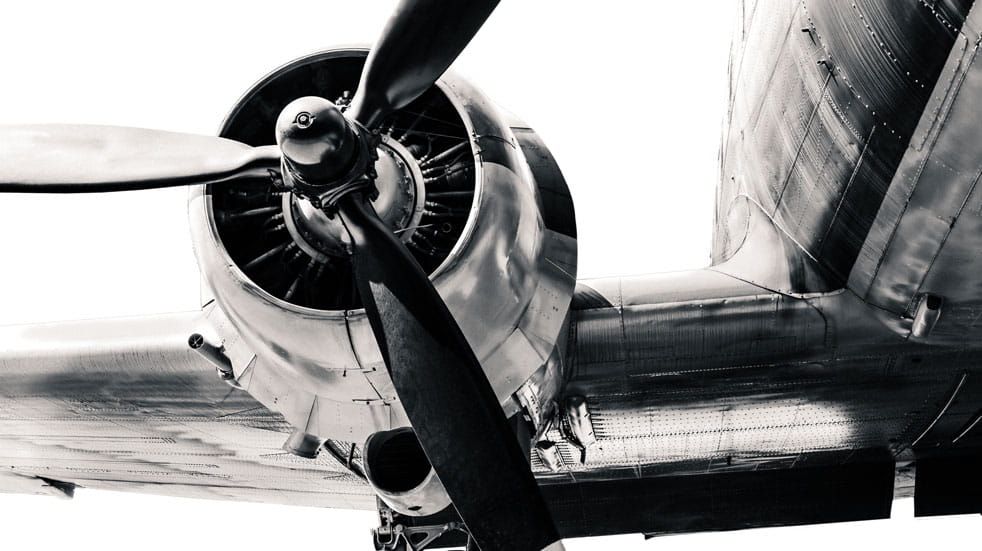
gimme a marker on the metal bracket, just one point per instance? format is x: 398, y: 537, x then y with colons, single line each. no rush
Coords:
x: 576, y: 424
x: 392, y: 535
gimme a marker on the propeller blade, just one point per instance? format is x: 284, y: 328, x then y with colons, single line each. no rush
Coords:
x: 62, y: 158
x: 421, y: 39
x: 447, y: 396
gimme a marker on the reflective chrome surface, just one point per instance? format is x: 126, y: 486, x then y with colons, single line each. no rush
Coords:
x: 701, y: 372
x: 408, y: 485
x: 124, y: 404
x: 576, y: 422
x: 824, y: 101
x: 507, y: 280
x: 927, y: 234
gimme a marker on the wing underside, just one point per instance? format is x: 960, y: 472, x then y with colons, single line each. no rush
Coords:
x: 124, y: 404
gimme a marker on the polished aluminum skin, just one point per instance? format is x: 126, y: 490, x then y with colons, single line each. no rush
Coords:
x: 701, y: 372
x: 125, y: 404
x: 847, y: 200
x: 838, y: 319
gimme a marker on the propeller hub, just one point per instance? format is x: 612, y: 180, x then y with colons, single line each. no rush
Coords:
x: 399, y: 204
x: 317, y: 141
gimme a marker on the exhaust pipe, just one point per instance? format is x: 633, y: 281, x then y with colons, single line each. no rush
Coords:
x: 400, y: 474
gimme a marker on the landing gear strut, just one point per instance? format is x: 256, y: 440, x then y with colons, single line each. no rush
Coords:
x: 398, y: 532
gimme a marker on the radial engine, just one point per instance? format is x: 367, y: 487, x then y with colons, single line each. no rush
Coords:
x: 474, y: 194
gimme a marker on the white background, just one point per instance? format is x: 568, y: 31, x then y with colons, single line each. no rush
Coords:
x: 630, y: 96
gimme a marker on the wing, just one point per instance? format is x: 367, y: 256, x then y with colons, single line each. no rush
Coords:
x: 124, y: 404
x: 851, y: 151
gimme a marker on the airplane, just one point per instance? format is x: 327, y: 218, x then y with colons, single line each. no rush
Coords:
x: 821, y: 358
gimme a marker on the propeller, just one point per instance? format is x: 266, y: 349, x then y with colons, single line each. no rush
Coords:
x: 421, y: 39
x: 445, y: 392
x: 67, y: 158
x: 327, y: 158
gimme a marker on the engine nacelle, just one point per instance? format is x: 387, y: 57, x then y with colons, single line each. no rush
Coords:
x: 475, y: 196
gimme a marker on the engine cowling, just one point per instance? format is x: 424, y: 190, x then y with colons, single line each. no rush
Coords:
x: 475, y: 196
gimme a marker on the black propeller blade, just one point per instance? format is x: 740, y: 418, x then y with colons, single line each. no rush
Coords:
x: 447, y: 396
x: 64, y: 158
x: 421, y: 39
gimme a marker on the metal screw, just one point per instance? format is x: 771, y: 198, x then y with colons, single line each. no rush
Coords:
x: 304, y: 119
